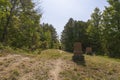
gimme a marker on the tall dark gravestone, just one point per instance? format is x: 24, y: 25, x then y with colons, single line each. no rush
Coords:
x: 78, y: 53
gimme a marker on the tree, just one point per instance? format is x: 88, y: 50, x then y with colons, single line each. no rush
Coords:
x: 94, y: 32
x: 48, y: 36
x: 74, y: 31
x: 111, y: 28
x: 20, y: 24
x: 3, y: 14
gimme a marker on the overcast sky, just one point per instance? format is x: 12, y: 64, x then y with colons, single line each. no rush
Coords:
x: 58, y: 12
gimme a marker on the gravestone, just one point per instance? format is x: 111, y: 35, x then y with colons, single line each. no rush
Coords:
x: 77, y: 48
x: 89, y: 50
x: 78, y: 53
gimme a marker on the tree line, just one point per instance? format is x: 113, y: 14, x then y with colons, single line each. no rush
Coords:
x: 20, y: 26
x: 101, y: 32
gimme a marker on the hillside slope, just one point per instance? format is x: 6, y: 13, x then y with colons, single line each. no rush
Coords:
x: 57, y: 65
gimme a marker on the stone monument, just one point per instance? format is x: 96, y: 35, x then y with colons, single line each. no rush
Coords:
x: 89, y: 50
x: 78, y: 53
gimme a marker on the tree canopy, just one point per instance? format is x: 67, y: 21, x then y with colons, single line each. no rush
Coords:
x: 101, y: 32
x: 74, y: 31
x: 20, y: 26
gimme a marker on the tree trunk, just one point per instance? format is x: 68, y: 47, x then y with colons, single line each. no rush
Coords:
x: 5, y: 28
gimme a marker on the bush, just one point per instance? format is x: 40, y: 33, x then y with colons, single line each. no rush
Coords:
x: 1, y: 46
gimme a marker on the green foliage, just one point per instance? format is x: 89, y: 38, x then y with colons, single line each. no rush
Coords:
x: 74, y: 31
x: 48, y: 37
x: 3, y: 5
x: 94, y: 31
x: 101, y: 32
x: 104, y: 30
x: 111, y: 29
x: 20, y: 26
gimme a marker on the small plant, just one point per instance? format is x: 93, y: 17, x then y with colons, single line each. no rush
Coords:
x: 15, y: 72
x: 6, y: 64
x: 0, y: 54
x: 1, y: 46
x: 1, y: 63
x: 14, y: 75
x: 75, y: 69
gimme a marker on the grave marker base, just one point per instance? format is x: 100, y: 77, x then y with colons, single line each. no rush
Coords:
x: 78, y: 58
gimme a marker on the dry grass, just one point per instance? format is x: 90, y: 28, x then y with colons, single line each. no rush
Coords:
x: 97, y: 68
x: 40, y: 67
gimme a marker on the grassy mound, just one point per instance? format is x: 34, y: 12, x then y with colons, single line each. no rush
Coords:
x: 58, y: 65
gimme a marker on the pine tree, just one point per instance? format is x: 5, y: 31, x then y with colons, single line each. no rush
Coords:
x: 94, y: 32
x: 111, y: 28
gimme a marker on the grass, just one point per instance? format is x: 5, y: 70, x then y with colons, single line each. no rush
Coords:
x: 97, y: 68
x: 38, y: 66
x: 50, y: 54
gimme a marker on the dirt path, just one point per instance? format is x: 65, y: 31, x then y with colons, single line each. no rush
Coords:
x: 56, y: 70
